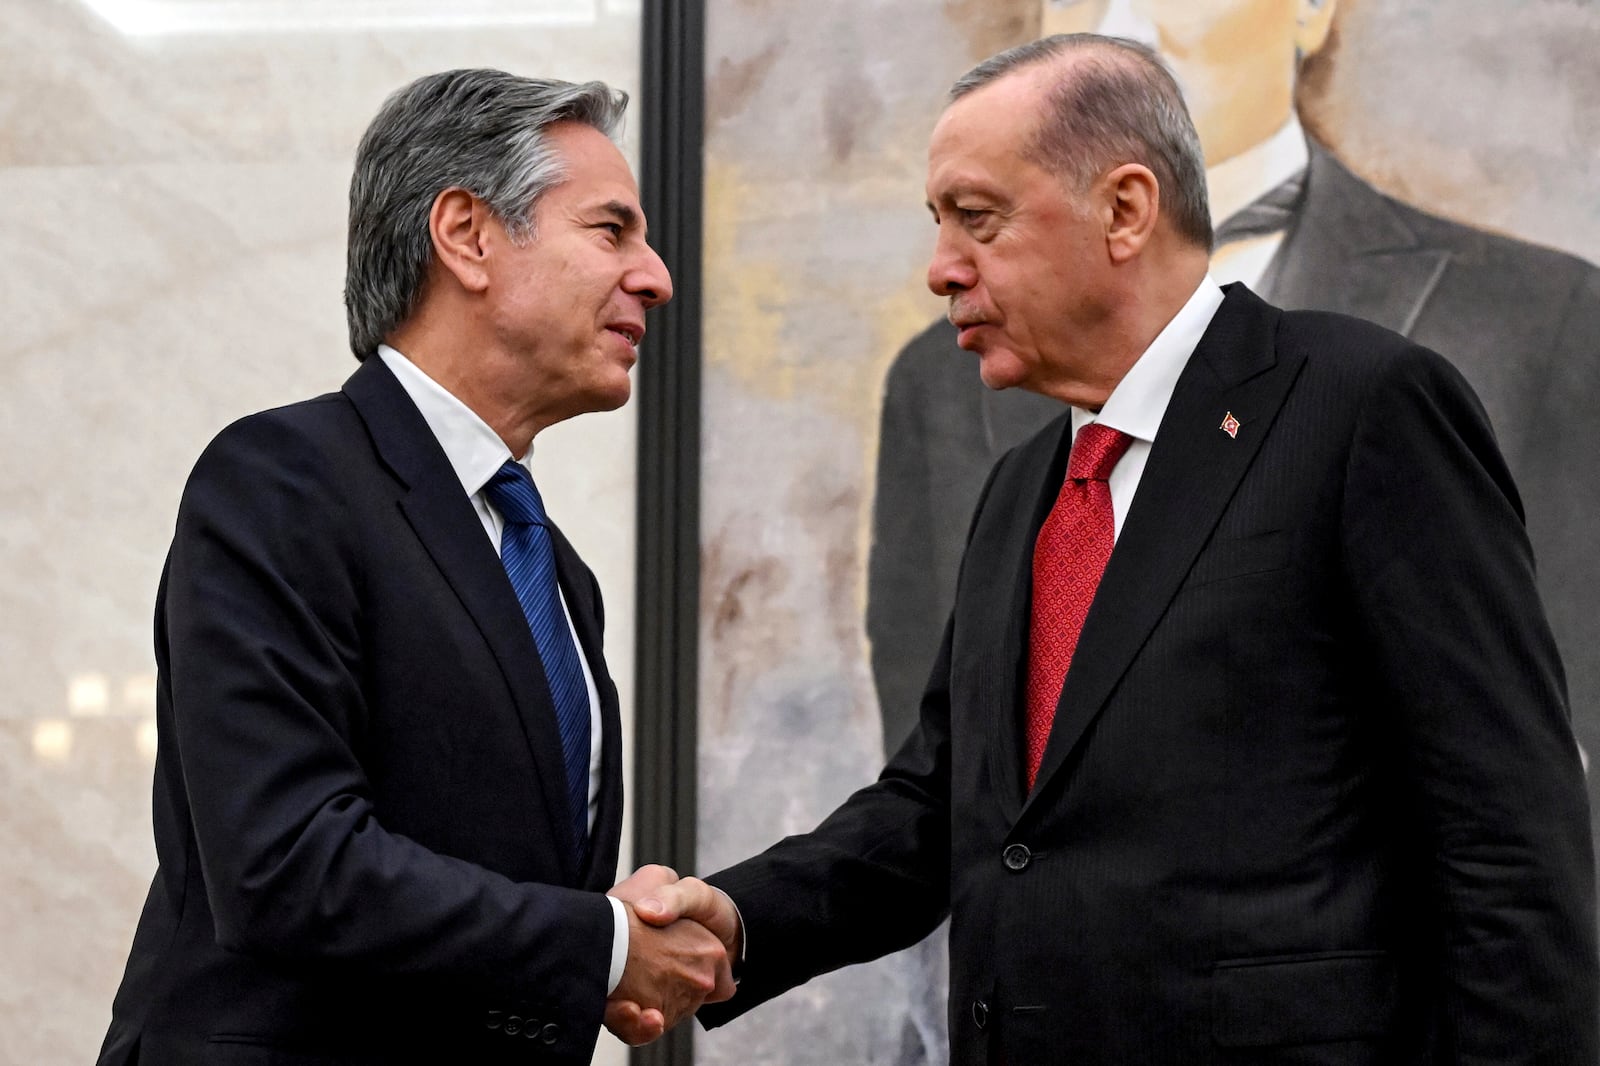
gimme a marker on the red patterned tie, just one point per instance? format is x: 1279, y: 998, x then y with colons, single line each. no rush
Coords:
x: 1068, y: 559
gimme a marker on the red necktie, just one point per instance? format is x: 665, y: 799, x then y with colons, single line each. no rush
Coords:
x: 1068, y: 559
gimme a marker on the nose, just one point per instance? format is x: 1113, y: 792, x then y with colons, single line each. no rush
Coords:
x: 949, y: 271
x: 649, y: 279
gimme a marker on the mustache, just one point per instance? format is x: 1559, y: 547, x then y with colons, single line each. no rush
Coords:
x: 961, y: 315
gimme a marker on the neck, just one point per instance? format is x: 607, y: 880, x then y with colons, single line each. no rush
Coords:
x: 1165, y: 283
x: 473, y: 373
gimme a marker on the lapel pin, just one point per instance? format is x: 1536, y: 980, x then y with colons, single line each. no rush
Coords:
x: 1230, y: 426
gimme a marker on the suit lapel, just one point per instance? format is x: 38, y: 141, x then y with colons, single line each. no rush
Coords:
x: 444, y: 521
x: 577, y: 586
x: 1351, y: 251
x: 1192, y: 472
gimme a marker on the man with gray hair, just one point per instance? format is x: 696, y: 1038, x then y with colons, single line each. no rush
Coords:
x: 1246, y: 741
x: 388, y: 787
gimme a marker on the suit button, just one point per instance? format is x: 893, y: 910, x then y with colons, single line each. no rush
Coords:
x: 980, y: 1013
x: 513, y: 1025
x: 1017, y: 857
x: 550, y: 1033
x: 493, y: 1021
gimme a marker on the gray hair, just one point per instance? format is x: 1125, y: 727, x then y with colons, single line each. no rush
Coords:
x: 1118, y: 104
x: 479, y: 130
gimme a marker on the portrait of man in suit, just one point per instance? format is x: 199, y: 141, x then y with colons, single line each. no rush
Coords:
x: 1303, y: 231
x: 388, y: 795
x: 1246, y: 738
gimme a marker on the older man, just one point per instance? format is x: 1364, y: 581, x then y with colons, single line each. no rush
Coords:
x: 1302, y: 231
x: 388, y: 792
x: 1246, y: 742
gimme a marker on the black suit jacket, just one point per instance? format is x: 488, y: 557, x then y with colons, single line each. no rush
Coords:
x: 359, y: 794
x: 1521, y: 323
x: 1311, y: 795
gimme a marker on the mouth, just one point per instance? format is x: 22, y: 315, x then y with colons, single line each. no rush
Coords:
x: 966, y: 330
x: 967, y: 321
x: 632, y: 332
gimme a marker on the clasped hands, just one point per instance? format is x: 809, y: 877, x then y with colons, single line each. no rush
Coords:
x: 683, y: 936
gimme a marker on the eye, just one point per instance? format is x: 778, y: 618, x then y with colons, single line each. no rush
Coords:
x: 613, y: 228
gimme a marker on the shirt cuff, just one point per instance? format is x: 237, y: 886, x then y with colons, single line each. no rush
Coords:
x: 744, y: 942
x: 619, y: 943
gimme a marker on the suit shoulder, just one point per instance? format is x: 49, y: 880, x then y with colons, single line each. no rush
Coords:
x: 1489, y: 272
x: 305, y: 425
x: 1359, y: 353
x: 300, y: 445
x: 1482, y: 247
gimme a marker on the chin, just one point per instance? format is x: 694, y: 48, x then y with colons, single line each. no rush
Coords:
x: 1000, y: 370
x: 614, y: 397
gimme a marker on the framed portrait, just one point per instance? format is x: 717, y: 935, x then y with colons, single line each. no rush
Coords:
x: 1429, y: 163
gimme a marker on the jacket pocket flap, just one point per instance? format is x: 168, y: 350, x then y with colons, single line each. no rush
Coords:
x: 1302, y: 999
x: 1240, y: 556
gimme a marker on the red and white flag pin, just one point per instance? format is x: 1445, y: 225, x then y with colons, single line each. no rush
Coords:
x: 1230, y: 426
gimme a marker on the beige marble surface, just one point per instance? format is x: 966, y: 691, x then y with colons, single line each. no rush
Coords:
x: 173, y: 208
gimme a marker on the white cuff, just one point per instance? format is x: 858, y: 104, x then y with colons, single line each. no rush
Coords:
x: 744, y: 941
x: 619, y: 943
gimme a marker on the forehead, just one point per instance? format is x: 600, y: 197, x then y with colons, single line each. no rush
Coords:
x: 594, y: 167
x: 981, y: 136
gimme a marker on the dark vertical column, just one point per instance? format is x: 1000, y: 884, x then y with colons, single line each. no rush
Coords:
x: 672, y: 109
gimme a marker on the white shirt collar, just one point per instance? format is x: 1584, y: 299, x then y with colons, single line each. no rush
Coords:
x: 1139, y: 401
x: 1258, y: 170
x: 475, y: 451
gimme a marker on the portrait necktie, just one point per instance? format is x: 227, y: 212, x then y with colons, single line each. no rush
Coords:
x: 1068, y: 558
x: 530, y: 563
x: 1265, y: 216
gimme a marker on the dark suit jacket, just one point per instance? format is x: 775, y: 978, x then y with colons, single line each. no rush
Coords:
x: 1311, y: 795
x: 359, y: 794
x: 1521, y: 323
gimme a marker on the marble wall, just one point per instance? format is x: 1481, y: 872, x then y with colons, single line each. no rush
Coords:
x: 172, y: 194
x: 816, y: 249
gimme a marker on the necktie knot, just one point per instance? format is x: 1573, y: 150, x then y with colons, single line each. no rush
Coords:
x: 1095, y: 452
x: 513, y: 494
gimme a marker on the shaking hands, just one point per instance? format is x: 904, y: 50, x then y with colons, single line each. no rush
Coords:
x: 683, y: 936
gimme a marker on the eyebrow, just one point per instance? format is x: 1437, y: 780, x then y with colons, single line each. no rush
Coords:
x: 960, y: 190
x: 623, y: 213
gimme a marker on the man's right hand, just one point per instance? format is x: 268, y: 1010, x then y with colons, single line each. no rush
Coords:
x: 670, y: 972
x: 697, y: 901
x: 666, y: 976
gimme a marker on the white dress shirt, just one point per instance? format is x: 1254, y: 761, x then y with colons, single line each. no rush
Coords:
x: 477, y: 453
x: 1140, y: 399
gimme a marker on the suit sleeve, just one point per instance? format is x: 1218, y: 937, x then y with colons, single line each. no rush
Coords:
x: 1471, y: 686
x: 266, y: 643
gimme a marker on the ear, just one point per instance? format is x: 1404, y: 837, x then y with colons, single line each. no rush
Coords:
x: 1312, y: 24
x: 1134, y: 199
x: 456, y: 225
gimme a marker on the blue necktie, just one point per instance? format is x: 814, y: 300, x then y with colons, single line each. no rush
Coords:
x: 530, y: 563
